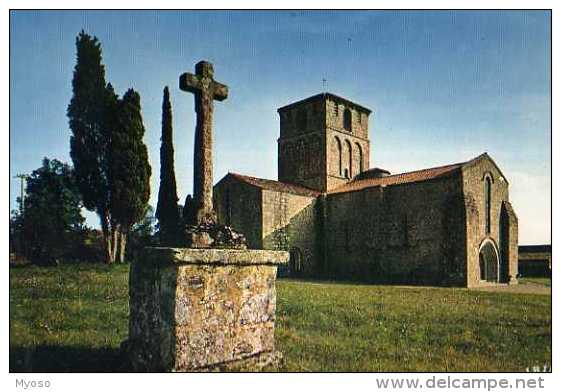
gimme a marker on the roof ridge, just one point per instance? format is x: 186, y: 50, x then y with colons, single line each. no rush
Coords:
x: 288, y: 185
x: 394, y: 179
x: 421, y: 170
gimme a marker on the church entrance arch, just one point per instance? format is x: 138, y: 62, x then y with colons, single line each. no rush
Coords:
x: 489, y: 261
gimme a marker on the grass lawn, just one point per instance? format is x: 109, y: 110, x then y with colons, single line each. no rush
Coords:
x: 73, y: 318
x: 540, y: 281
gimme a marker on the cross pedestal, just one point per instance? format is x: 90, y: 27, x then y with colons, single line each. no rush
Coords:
x: 203, y: 309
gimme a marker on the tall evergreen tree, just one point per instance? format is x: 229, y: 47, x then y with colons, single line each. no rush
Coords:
x: 129, y: 171
x: 88, y: 114
x: 167, y: 211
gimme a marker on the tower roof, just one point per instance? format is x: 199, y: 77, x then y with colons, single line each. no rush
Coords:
x: 322, y: 97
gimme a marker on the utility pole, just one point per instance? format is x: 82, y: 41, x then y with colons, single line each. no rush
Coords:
x: 22, y: 177
x: 20, y: 247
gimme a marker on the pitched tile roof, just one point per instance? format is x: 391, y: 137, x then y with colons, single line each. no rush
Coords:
x: 357, y: 185
x: 402, y: 178
x: 276, y: 185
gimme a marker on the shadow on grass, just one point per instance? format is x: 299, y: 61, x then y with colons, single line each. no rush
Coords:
x: 61, y: 359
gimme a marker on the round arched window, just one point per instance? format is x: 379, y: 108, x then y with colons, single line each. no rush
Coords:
x: 348, y: 120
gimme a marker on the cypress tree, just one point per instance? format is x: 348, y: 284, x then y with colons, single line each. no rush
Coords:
x: 130, y: 170
x: 88, y: 121
x: 167, y: 211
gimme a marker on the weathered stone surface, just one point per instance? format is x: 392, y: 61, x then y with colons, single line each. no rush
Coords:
x: 202, y: 230
x: 206, y: 90
x: 211, y: 234
x: 194, y: 309
x: 317, y: 146
x: 425, y: 230
x: 407, y: 234
x: 503, y: 222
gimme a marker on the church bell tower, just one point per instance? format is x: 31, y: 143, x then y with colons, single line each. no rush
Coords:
x: 323, y: 142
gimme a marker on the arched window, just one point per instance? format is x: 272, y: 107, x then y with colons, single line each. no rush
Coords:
x: 349, y: 154
x: 360, y: 167
x: 347, y: 120
x: 487, y: 205
x: 339, y: 156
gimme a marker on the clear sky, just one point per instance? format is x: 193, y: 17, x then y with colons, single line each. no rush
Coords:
x: 444, y: 87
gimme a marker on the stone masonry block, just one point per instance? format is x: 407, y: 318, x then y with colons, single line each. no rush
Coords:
x: 203, y: 309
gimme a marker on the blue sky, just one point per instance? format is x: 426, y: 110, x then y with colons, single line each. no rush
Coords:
x: 444, y: 87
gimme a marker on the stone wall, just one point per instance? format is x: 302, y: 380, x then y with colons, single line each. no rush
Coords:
x: 271, y: 220
x: 308, y: 117
x: 347, y: 156
x: 202, y: 309
x: 409, y: 233
x: 323, y: 142
x: 289, y: 223
x: 239, y: 205
x: 348, y: 148
x: 301, y: 153
x: 335, y: 118
x: 474, y: 175
x: 301, y: 160
x: 509, y: 242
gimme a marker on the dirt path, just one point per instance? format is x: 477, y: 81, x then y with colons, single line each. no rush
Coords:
x: 522, y: 288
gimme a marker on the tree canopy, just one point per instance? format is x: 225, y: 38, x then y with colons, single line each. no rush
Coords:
x: 130, y: 171
x: 52, y: 211
x: 109, y: 156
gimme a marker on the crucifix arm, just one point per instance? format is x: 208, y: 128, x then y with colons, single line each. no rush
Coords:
x: 189, y: 82
x: 220, y: 91
x: 194, y: 84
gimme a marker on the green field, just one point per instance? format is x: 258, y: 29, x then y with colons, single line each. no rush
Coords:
x: 73, y: 318
x: 540, y: 281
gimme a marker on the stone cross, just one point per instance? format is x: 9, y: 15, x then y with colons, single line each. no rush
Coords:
x: 206, y: 90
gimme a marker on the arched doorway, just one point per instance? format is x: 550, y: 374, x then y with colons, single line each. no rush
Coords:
x: 489, y: 262
x: 295, y: 263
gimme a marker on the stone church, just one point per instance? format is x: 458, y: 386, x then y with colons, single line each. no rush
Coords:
x: 341, y: 219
